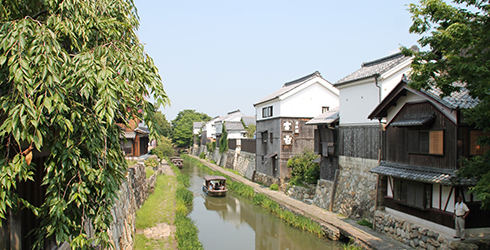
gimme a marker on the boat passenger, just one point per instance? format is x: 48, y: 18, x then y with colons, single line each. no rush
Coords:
x: 210, y: 186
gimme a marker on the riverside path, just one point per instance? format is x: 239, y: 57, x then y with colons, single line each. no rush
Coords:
x: 364, y: 236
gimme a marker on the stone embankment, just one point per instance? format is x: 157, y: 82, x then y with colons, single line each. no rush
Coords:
x: 133, y: 193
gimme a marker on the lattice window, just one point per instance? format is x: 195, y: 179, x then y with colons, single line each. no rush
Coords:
x: 436, y: 142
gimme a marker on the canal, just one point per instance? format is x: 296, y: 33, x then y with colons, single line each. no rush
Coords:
x: 233, y: 222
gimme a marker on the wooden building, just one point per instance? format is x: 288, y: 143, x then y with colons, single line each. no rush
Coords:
x: 134, y: 139
x: 425, y: 137
x: 326, y: 145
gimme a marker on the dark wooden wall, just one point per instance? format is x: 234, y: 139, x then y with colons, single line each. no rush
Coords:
x: 397, y: 139
x: 360, y: 141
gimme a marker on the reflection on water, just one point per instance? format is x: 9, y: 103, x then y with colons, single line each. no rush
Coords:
x: 232, y: 222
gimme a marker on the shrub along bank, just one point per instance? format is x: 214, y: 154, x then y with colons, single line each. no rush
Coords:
x: 186, y: 230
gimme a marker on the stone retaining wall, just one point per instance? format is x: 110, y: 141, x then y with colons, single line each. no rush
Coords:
x: 245, y: 164
x: 409, y: 233
x: 323, y: 194
x: 306, y: 194
x: 132, y: 194
x: 356, y: 188
x: 268, y: 180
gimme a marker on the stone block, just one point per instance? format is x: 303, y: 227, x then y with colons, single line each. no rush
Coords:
x: 435, y: 236
x: 462, y: 245
x: 413, y: 243
x: 441, y: 239
x: 422, y: 244
x: 433, y: 242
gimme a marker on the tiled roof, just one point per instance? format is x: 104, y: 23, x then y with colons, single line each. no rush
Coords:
x: 249, y: 120
x: 230, y: 115
x: 234, y: 126
x: 197, y: 125
x: 372, y: 68
x: 422, y: 174
x: 325, y: 118
x: 288, y: 87
x: 413, y: 120
x: 461, y: 99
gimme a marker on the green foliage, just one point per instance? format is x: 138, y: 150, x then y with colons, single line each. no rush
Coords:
x: 151, y: 163
x: 164, y: 147
x: 223, y: 141
x: 303, y: 168
x: 182, y: 126
x: 458, y: 40
x: 351, y: 246
x: 211, y: 146
x: 69, y: 70
x: 297, y: 221
x: 202, y: 155
x: 365, y: 223
x: 241, y: 189
x: 250, y: 129
x: 130, y: 163
x: 186, y: 231
x: 274, y: 187
x: 163, y: 126
x: 149, y: 172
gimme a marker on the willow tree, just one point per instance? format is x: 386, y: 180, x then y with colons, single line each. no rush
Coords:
x: 69, y: 70
x: 457, y: 40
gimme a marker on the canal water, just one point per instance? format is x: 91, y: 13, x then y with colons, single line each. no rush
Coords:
x: 233, y: 222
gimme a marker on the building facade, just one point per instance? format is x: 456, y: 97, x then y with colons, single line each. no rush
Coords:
x: 281, y: 122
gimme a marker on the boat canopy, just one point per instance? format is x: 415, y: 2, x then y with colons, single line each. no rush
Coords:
x: 214, y: 177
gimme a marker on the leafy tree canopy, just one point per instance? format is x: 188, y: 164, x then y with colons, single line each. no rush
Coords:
x: 182, y: 126
x: 164, y: 147
x: 458, y: 37
x: 68, y: 71
x: 164, y: 127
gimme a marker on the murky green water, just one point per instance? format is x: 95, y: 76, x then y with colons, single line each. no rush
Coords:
x: 233, y: 222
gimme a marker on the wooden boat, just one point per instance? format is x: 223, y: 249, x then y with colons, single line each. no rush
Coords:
x: 214, y: 185
x: 177, y: 161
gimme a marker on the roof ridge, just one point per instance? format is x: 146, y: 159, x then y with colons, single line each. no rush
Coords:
x: 382, y: 59
x: 302, y: 79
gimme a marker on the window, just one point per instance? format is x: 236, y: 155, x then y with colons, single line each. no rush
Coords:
x: 271, y: 138
x: 476, y: 149
x: 264, y: 137
x: 426, y: 142
x: 414, y: 194
x: 267, y: 112
x: 325, y: 109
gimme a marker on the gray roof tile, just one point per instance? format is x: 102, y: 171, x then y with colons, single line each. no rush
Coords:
x: 325, y: 118
x: 461, y: 99
x: 288, y: 87
x: 372, y: 68
x: 413, y: 120
x: 234, y: 126
x: 422, y: 174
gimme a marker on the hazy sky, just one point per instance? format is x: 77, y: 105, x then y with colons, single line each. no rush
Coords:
x: 215, y: 56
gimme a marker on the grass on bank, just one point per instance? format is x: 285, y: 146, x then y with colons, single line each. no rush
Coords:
x: 158, y: 208
x: 297, y: 221
x: 365, y: 223
x: 186, y: 231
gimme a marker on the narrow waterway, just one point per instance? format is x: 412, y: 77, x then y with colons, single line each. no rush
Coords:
x: 233, y: 222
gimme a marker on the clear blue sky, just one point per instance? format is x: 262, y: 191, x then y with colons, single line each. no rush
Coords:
x: 216, y: 56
